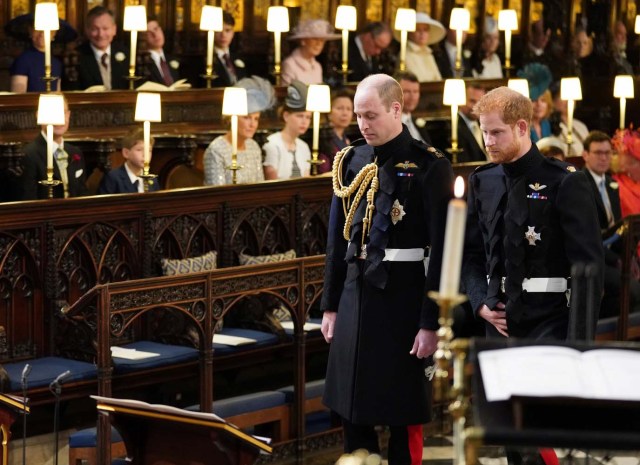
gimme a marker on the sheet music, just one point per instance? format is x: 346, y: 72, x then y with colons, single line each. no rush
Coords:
x: 131, y: 354
x: 553, y: 371
x: 308, y: 326
x: 229, y: 340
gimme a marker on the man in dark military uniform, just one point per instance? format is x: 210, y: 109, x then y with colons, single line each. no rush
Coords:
x: 391, y: 195
x: 530, y: 218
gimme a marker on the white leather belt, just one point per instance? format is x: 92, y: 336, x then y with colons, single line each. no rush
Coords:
x: 540, y: 284
x: 403, y: 255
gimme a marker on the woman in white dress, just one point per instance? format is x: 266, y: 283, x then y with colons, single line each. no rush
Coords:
x: 486, y: 63
x: 217, y: 157
x: 286, y: 155
x: 419, y: 58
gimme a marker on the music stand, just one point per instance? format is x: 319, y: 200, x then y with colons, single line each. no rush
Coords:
x: 161, y: 433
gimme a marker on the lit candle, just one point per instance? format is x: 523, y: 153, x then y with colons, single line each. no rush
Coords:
x: 454, y: 126
x: 132, y: 58
x: 458, y: 48
x: 345, y: 50
x: 623, y: 110
x: 147, y: 145
x: 453, y: 243
x: 276, y: 44
x: 47, y: 52
x: 234, y: 139
x: 49, y: 147
x: 507, y: 48
x: 316, y: 134
x: 210, y: 35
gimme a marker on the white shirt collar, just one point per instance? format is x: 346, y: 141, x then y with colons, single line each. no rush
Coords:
x: 133, y: 177
x: 598, y: 178
x: 358, y: 42
x: 98, y: 53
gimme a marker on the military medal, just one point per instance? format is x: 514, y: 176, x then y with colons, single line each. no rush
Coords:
x: 532, y: 236
x: 397, y: 212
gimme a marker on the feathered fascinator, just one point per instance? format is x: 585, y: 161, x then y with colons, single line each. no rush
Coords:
x: 539, y: 77
x: 627, y: 142
x: 260, y: 93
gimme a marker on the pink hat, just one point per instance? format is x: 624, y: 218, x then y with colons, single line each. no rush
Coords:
x: 627, y: 142
x: 314, y: 29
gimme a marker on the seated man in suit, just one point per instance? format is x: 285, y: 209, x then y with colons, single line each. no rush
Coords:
x: 100, y: 60
x: 162, y: 68
x: 126, y: 179
x: 227, y: 65
x: 365, y: 49
x: 597, y: 162
x: 411, y: 95
x: 445, y: 56
x: 469, y: 132
x: 68, y: 165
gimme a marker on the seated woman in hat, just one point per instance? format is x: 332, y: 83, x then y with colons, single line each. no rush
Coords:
x: 419, y: 57
x: 627, y: 144
x: 286, y: 155
x: 485, y: 60
x: 301, y: 64
x: 260, y: 97
x: 27, y: 69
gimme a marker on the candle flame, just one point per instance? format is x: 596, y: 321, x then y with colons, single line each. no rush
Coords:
x: 458, y: 187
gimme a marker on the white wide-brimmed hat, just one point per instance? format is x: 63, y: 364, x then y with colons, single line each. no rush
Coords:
x: 436, y: 30
x: 314, y: 29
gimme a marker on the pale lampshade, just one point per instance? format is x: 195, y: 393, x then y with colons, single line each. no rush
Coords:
x: 519, y: 85
x: 211, y: 18
x: 319, y: 98
x: 46, y: 17
x: 507, y: 20
x: 148, y: 107
x: 570, y: 89
x: 346, y: 18
x: 51, y: 109
x: 455, y: 92
x: 637, y: 27
x: 405, y: 19
x: 234, y: 101
x: 623, y: 86
x: 460, y: 19
x: 278, y: 19
x: 135, y: 18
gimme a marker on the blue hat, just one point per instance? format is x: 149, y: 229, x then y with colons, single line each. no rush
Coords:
x: 260, y: 93
x: 539, y: 77
x: 296, y: 98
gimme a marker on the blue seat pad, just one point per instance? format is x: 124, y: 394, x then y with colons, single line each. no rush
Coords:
x: 169, y: 355
x: 245, y: 404
x: 262, y: 339
x: 312, y: 389
x: 89, y: 437
x: 46, y: 369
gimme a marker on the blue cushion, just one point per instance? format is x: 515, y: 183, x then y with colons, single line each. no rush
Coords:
x: 311, y: 389
x: 46, y: 369
x: 610, y: 324
x: 169, y: 355
x: 89, y: 437
x: 262, y: 339
x: 244, y: 404
x: 316, y: 422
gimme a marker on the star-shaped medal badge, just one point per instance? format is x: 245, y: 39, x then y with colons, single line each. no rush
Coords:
x: 397, y: 212
x: 532, y: 236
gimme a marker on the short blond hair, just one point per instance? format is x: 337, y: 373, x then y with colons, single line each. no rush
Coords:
x: 511, y: 105
x: 389, y: 89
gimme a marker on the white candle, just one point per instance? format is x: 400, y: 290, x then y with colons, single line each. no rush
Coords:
x: 316, y: 133
x: 454, y: 126
x: 453, y: 243
x: 132, y: 58
x: 623, y: 110
x: 458, y: 48
x: 345, y: 49
x: 147, y: 143
x: 47, y: 52
x: 570, y: 108
x: 403, y: 49
x: 234, y: 139
x: 209, y: 52
x: 276, y: 44
x: 507, y: 47
x: 49, y: 147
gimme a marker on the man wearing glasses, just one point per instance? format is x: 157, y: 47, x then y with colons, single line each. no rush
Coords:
x: 365, y: 50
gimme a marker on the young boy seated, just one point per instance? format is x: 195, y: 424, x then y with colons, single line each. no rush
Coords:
x: 126, y: 178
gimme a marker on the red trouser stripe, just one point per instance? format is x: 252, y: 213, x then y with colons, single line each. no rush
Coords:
x: 414, y: 432
x: 549, y: 456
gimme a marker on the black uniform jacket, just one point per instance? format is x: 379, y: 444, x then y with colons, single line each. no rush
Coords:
x: 371, y: 377
x: 533, y: 218
x: 35, y: 169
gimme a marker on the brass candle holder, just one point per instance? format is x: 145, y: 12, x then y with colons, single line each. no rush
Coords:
x: 452, y: 354
x: 50, y: 183
x: 147, y: 178
x: 234, y: 167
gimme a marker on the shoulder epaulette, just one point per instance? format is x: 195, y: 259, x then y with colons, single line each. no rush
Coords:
x: 358, y: 142
x: 484, y: 167
x: 563, y: 165
x: 430, y: 149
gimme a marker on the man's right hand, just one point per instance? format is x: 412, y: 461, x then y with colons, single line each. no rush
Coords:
x: 328, y: 323
x: 497, y: 317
